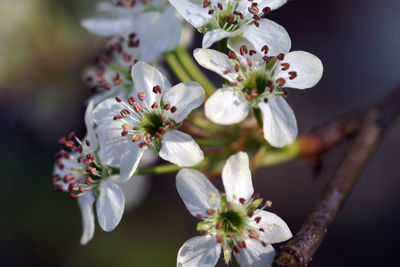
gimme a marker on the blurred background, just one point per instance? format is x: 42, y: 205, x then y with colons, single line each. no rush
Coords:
x: 43, y: 51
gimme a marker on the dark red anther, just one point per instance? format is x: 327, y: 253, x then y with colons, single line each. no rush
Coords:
x: 281, y: 56
x: 293, y: 75
x: 118, y: 99
x: 173, y: 109
x: 236, y: 249
x: 242, y: 200
x: 257, y: 219
x: 218, y: 225
x: 210, y: 212
x: 219, y: 238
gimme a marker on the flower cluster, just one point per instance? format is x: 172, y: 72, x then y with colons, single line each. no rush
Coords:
x: 135, y: 111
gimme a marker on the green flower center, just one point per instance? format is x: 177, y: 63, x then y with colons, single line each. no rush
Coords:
x: 232, y: 221
x: 151, y: 123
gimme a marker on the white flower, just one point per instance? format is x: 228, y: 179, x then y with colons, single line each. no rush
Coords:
x: 234, y: 19
x: 149, y: 118
x: 231, y: 221
x: 83, y: 174
x: 258, y: 81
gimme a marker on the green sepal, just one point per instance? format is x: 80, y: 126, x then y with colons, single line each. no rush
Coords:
x: 253, y: 205
x: 227, y: 253
x: 204, y: 226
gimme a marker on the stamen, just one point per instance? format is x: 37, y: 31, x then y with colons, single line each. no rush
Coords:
x: 142, y: 96
x: 253, y: 234
x: 210, y: 212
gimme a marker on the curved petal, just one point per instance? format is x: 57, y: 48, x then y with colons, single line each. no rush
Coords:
x: 185, y: 97
x: 195, y: 14
x: 109, y: 205
x: 201, y: 251
x: 180, y: 149
x: 256, y: 59
x: 226, y: 106
x: 85, y: 203
x: 130, y: 160
x: 145, y: 77
x: 217, y: 35
x: 255, y: 254
x: 273, y: 4
x: 308, y: 67
x: 236, y: 177
x: 196, y: 191
x: 280, y: 126
x: 217, y: 62
x: 268, y: 33
x: 158, y: 32
x: 90, y: 125
x: 107, y: 26
x: 275, y: 230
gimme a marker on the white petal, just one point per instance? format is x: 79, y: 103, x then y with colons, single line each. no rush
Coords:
x: 158, y: 32
x: 109, y: 205
x: 135, y: 191
x: 307, y: 66
x: 236, y: 177
x: 255, y: 254
x: 107, y: 26
x: 145, y: 77
x: 280, y: 126
x: 85, y: 203
x: 199, y: 251
x: 268, y: 33
x: 217, y: 35
x: 90, y: 125
x: 185, y: 97
x: 273, y: 4
x: 130, y: 160
x: 196, y: 191
x: 217, y: 62
x: 275, y: 229
x: 195, y: 14
x: 226, y: 106
x: 180, y: 149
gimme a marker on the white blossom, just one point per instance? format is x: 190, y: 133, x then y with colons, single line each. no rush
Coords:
x: 236, y: 19
x: 259, y: 81
x: 148, y: 119
x: 232, y: 221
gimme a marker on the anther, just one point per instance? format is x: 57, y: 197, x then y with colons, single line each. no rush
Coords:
x: 155, y: 105
x: 257, y: 219
x: 253, y: 234
x: 170, y: 124
x: 157, y: 89
x: 158, y: 135
x: 206, y: 3
x: 263, y: 243
x: 231, y: 235
x: 266, y: 10
x: 220, y: 6
x: 56, y: 178
x: 87, y: 142
x: 236, y: 249
x: 252, y: 52
x: 281, y: 82
x: 117, y: 79
x: 210, y: 212
x: 117, y: 117
x: 250, y: 213
x: 293, y: 75
x: 242, y: 244
x: 285, y: 66
x: 81, y: 189
x: 229, y: 206
x: 242, y: 200
x: 231, y: 54
x: 118, y: 99
x: 173, y: 109
x: 281, y: 56
x: 142, y: 96
x: 162, y: 129
x: 167, y: 106
x: 265, y: 49
x: 237, y: 67
x: 131, y: 100
x: 135, y: 138
x: 219, y: 238
x: 68, y: 178
x: 218, y: 225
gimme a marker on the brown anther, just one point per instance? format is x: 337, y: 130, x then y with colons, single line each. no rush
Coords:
x: 229, y: 206
x: 158, y: 135
x: 126, y: 127
x: 281, y: 56
x: 252, y: 52
x: 117, y: 79
x: 250, y: 213
x: 142, y: 96
x: 249, y: 62
x: 257, y: 219
x: 211, y: 11
x: 242, y: 200
x: 229, y: 19
x: 91, y: 171
x: 81, y: 189
x: 231, y: 54
x: 256, y: 196
x: 293, y: 75
x: 263, y: 243
x: 257, y: 24
x: 199, y: 217
x: 265, y: 49
x: 142, y: 145
x: 261, y: 230
x: 243, y: 50
x: 231, y: 235
x: 239, y: 79
x: 70, y: 144
x: 266, y: 10
x: 137, y: 107
x: 218, y: 225
x: 220, y: 6
x: 74, y: 196
x: 56, y: 178
x: 219, y: 238
x: 124, y: 112
x: 58, y: 188
x: 173, y: 109
x: 117, y: 117
x: 265, y: 100
x: 249, y: 98
x: 266, y: 59
x: 210, y: 212
x: 167, y: 106
x: 89, y: 180
x: 127, y: 57
x: 233, y: 84
x: 206, y: 3
x: 253, y: 93
x: 237, y: 67
x: 87, y: 142
x: 70, y: 187
x: 254, y: 9
x: 253, y: 234
x: 242, y: 244
x: 118, y: 99
x: 155, y: 105
x: 162, y: 129
x: 157, y: 89
x: 71, y: 135
x: 236, y: 249
x: 68, y: 178
x: 162, y: 120
x: 135, y: 138
x: 62, y: 141
x: 227, y: 71
x: 131, y: 100
x: 281, y: 82
x: 170, y: 124
x: 285, y: 66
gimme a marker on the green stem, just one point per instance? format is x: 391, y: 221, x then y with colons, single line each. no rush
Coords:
x: 160, y: 169
x: 176, y: 67
x: 193, y: 70
x: 213, y: 142
x: 274, y: 156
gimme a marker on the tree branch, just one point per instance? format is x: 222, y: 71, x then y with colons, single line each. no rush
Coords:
x: 301, y: 248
